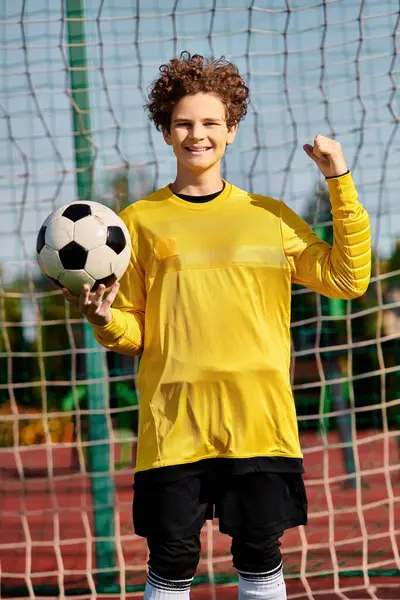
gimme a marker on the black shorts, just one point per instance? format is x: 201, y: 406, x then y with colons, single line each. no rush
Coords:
x: 247, y: 505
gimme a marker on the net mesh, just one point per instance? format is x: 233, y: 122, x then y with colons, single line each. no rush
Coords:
x: 313, y: 67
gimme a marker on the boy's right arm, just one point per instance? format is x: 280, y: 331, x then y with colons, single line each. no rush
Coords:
x: 118, y: 318
x: 124, y: 331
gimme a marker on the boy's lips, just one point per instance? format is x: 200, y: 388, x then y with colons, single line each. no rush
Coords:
x: 197, y: 149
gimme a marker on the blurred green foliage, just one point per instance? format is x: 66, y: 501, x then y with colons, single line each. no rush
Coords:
x: 365, y: 358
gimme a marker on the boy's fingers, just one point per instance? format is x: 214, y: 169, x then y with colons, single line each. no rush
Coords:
x: 111, y: 295
x: 84, y: 297
x: 70, y: 297
x: 88, y: 301
x: 97, y: 296
x: 309, y: 150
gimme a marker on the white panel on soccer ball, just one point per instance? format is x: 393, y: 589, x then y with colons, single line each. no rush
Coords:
x: 101, y: 262
x: 49, y: 262
x: 122, y: 262
x: 59, y: 211
x: 90, y: 232
x: 109, y: 217
x: 74, y: 280
x: 59, y: 233
x: 104, y: 213
x: 56, y: 213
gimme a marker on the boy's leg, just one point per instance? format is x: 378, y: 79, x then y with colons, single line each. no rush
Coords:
x: 255, y: 509
x: 172, y: 565
x: 259, y: 562
x: 170, y: 515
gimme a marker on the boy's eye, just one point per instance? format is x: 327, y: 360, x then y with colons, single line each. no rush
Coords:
x: 187, y: 124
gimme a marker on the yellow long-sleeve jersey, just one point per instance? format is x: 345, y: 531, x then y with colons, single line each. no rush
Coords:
x: 206, y: 299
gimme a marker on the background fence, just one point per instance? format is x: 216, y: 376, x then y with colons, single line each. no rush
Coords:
x: 72, y: 125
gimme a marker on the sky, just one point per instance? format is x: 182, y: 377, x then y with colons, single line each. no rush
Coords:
x: 313, y: 67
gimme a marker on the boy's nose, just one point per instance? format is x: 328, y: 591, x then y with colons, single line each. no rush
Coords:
x: 197, y: 132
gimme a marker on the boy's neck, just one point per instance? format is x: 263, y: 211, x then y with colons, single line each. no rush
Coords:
x: 197, y: 184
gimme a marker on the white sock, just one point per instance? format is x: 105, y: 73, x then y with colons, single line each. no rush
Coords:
x: 269, y: 585
x: 158, y: 588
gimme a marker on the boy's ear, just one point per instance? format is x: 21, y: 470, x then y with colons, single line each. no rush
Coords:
x: 167, y: 137
x: 232, y: 133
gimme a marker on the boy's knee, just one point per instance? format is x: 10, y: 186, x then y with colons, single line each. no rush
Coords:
x: 256, y: 555
x: 174, y: 559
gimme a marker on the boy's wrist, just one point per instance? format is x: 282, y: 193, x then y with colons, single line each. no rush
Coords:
x: 103, y: 321
x: 337, y: 176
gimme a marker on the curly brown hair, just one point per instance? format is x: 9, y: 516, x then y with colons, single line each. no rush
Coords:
x: 193, y: 74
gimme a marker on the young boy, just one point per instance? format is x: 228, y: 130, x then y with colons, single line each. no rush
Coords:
x: 206, y: 300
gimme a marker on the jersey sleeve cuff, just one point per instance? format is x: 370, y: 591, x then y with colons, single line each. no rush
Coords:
x: 343, y: 192
x: 337, y: 176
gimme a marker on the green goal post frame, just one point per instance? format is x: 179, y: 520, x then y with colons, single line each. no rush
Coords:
x: 102, y: 485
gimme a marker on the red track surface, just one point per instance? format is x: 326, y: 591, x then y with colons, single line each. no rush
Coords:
x: 347, y: 530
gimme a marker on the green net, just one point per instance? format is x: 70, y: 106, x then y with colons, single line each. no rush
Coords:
x: 72, y: 124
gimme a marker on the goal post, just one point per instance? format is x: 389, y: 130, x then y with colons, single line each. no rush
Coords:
x: 99, y: 423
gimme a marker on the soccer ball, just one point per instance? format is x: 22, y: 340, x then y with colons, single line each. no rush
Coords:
x: 83, y: 242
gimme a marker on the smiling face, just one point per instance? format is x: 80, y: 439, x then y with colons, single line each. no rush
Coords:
x: 199, y: 133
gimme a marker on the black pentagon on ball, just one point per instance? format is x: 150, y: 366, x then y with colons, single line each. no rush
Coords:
x: 73, y: 256
x: 107, y: 281
x: 77, y: 211
x: 116, y: 238
x: 40, y: 240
